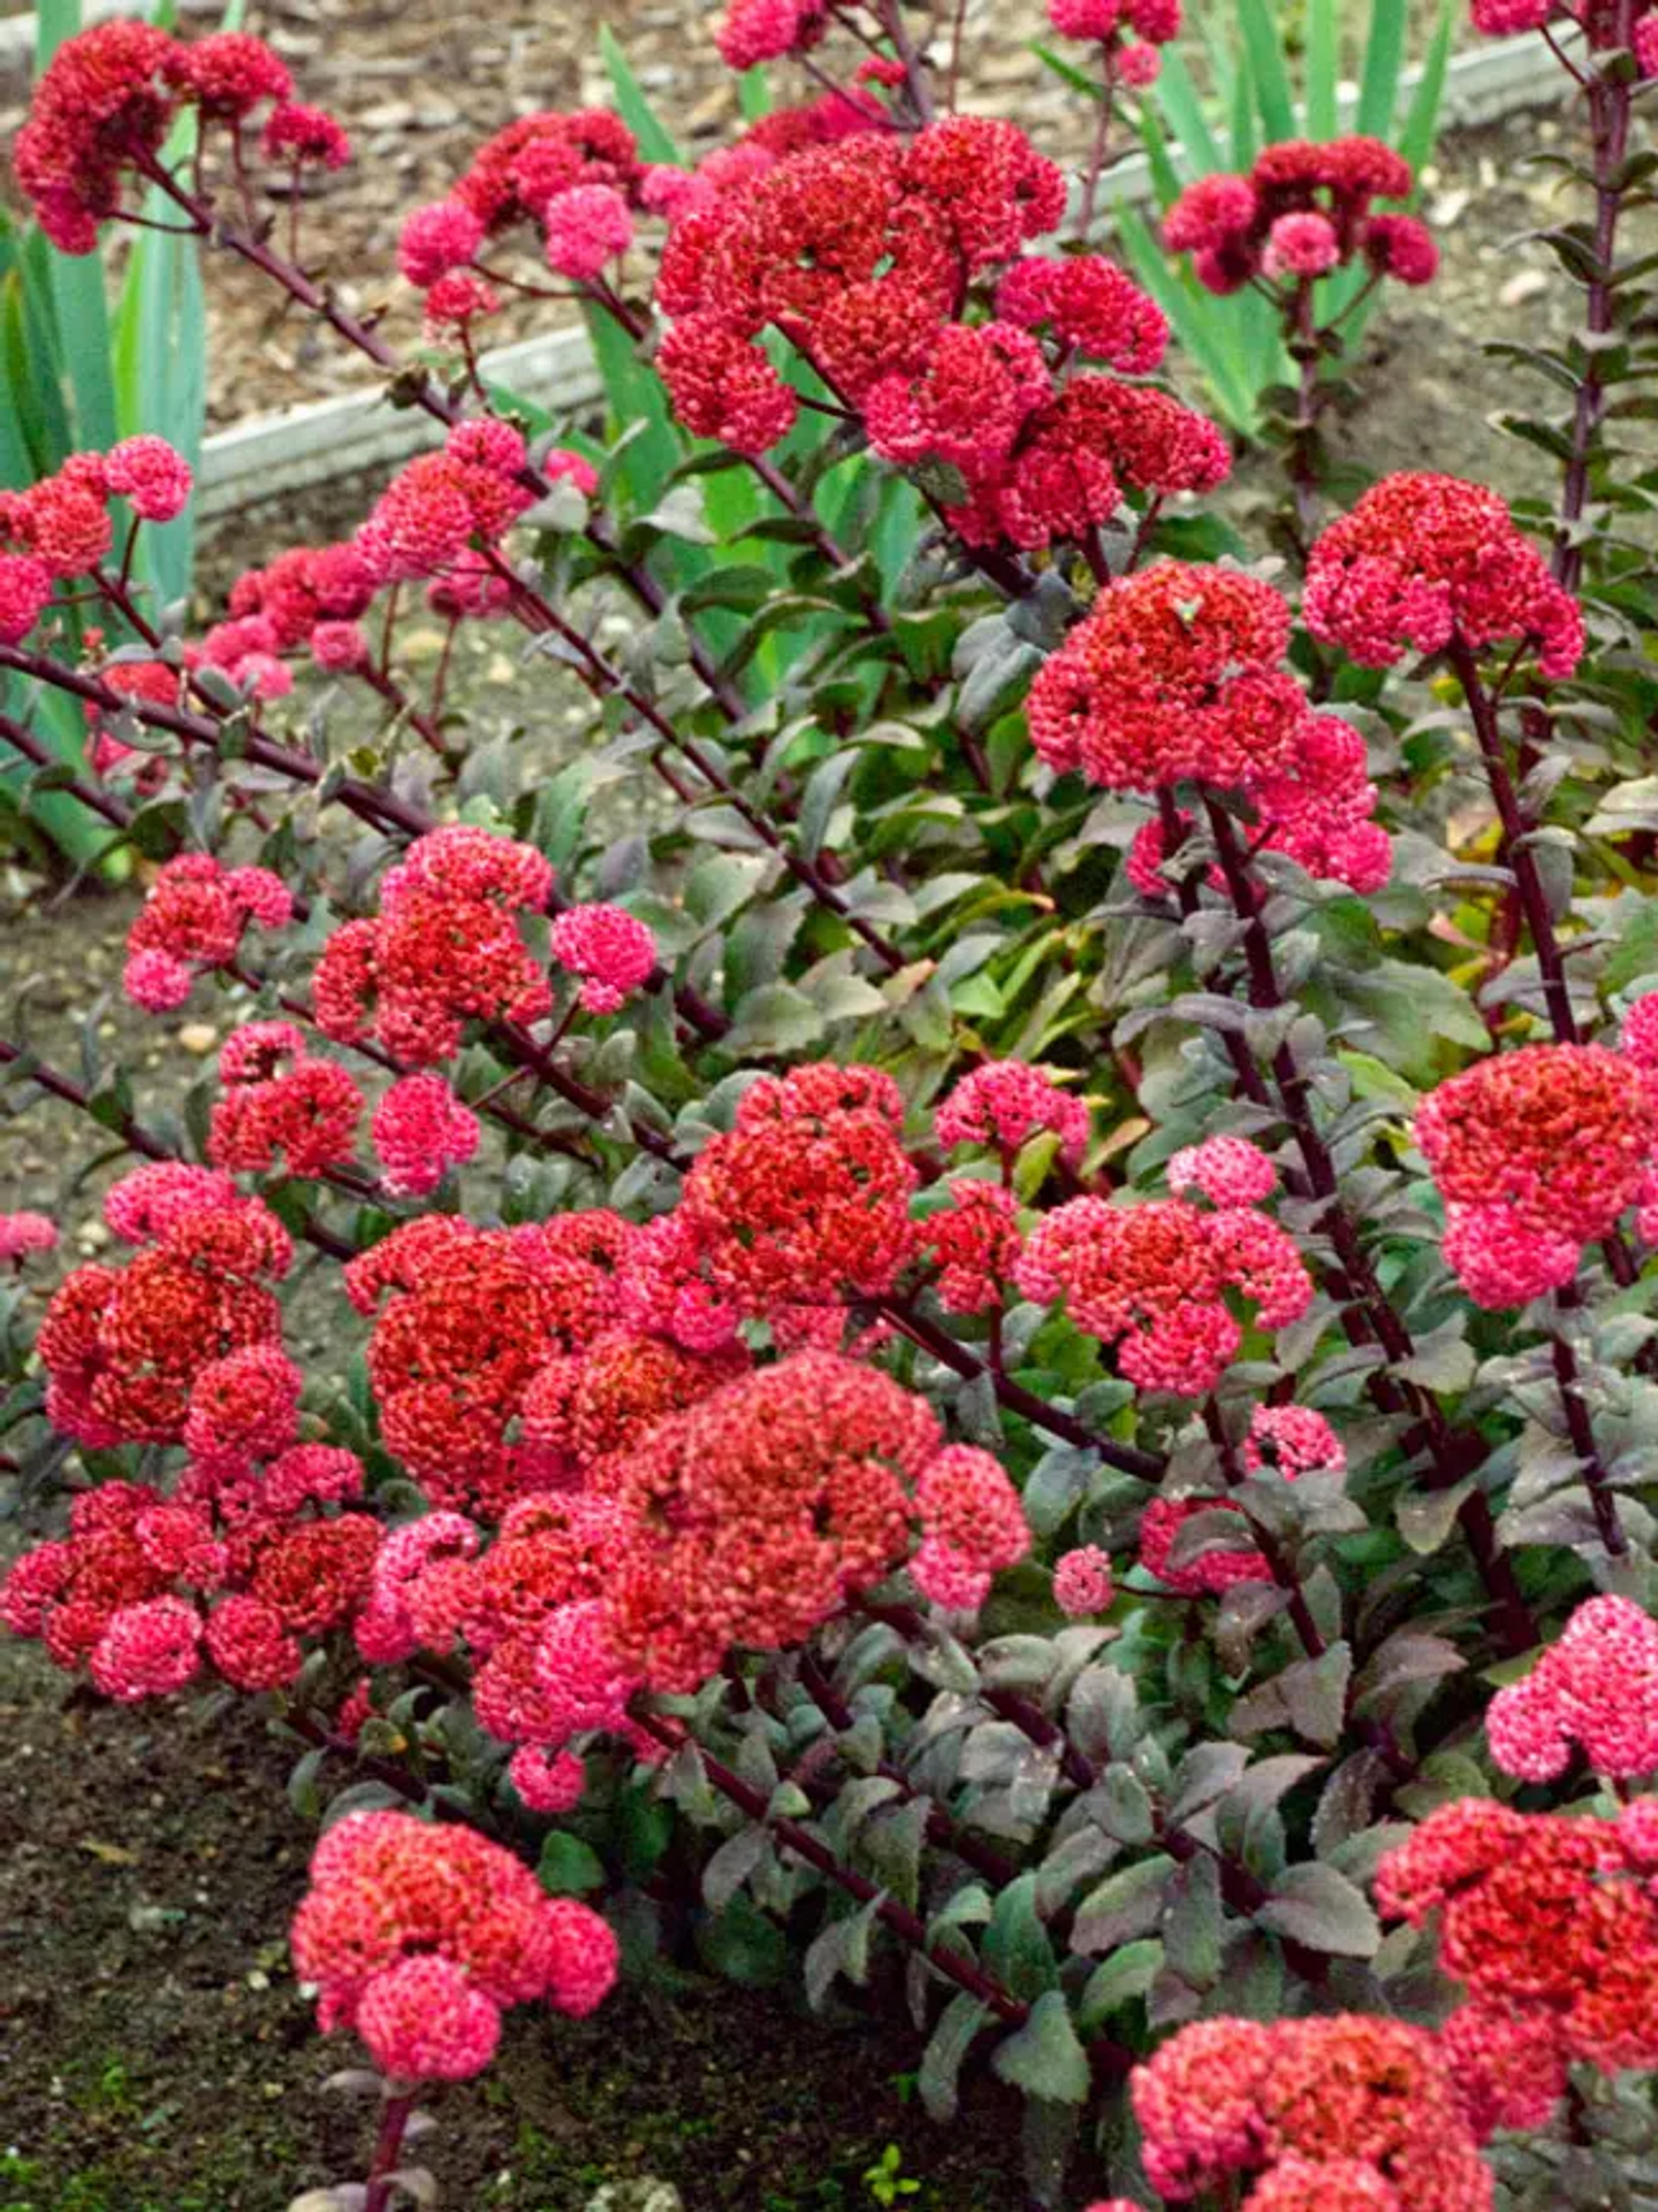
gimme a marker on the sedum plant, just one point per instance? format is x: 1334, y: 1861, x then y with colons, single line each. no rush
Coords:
x: 997, y: 1349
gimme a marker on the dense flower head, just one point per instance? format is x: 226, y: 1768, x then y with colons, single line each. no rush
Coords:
x: 1303, y: 245
x: 1423, y: 562
x: 1596, y: 1688
x: 1082, y: 1582
x: 25, y: 594
x: 1295, y: 1440
x: 766, y: 1505
x: 1088, y: 303
x: 125, y: 1347
x: 755, y: 31
x: 63, y: 523
x: 445, y: 948
x: 243, y: 1406
x: 975, y: 1245
x: 146, y: 1650
x: 1228, y: 1170
x: 437, y: 237
x: 1310, y: 2105
x: 723, y: 386
x: 473, y: 1315
x: 420, y: 1936
x: 1550, y: 1922
x: 304, y: 1116
x: 1153, y: 1280
x: 100, y: 103
x: 192, y: 919
x: 429, y: 513
x: 1400, y: 247
x: 228, y: 74
x: 421, y: 1129
x: 24, y: 1233
x: 611, y: 951
x: 1005, y: 1102
x: 1155, y: 21
x: 515, y: 173
x: 588, y: 1409
x: 972, y: 1524
x: 1536, y: 1153
x: 298, y: 134
x: 1175, y: 674
x: 806, y: 1200
x: 249, y: 1643
x: 585, y: 227
x: 967, y: 402
x: 150, y: 474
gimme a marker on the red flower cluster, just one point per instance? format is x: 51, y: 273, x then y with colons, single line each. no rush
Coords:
x: 1152, y: 1280
x: 1216, y: 1568
x: 755, y: 31
x: 127, y: 1349
x: 194, y: 919
x: 1425, y: 562
x: 20, y: 1234
x: 279, y: 1104
x: 1536, y: 1153
x: 1597, y: 1687
x: 1600, y: 23
x: 444, y: 949
x: 587, y: 1411
x: 862, y: 253
x: 1175, y: 674
x: 757, y: 1513
x: 419, y: 1936
x: 807, y: 1201
x: 1304, y: 2102
x: 1551, y: 1922
x: 975, y: 1246
x: 107, y: 101
x: 440, y: 504
x: 472, y: 1315
x: 1303, y: 210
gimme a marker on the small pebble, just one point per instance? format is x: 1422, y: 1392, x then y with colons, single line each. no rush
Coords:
x: 198, y: 1037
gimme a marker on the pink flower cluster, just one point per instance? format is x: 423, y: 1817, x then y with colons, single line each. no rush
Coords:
x: 1536, y: 1153
x: 421, y: 1130
x: 1551, y: 1923
x: 755, y: 31
x: 1130, y: 30
x: 1338, y: 2112
x: 23, y: 1234
x: 1422, y: 562
x: 1303, y: 210
x: 1006, y: 1102
x: 420, y: 1936
x: 611, y: 951
x: 1596, y: 1688
x: 1503, y: 19
x: 1153, y: 1280
x: 61, y: 528
x: 192, y: 919
x: 445, y: 948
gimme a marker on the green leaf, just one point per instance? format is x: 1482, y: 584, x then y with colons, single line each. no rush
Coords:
x: 1127, y: 1975
x: 1044, y: 2058
x: 947, y: 2046
x: 774, y: 1018
x: 1016, y: 1947
x: 1177, y: 97
x: 1384, y: 56
x: 1323, y: 69
x: 568, y: 1866
x: 744, y: 1947
x: 1421, y: 131
x: 633, y: 106
x: 1265, y: 50
x: 1315, y: 1905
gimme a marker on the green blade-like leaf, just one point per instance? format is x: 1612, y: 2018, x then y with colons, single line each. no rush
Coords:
x: 1384, y: 58
x: 54, y: 22
x: 1264, y: 51
x: 1178, y: 98
x: 1165, y: 177
x: 1201, y: 323
x: 754, y: 93
x: 1245, y: 145
x: 82, y: 312
x: 1421, y: 131
x: 1323, y: 69
x: 1067, y: 72
x: 634, y: 109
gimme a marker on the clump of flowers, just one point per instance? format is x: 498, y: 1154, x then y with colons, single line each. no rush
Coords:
x: 22, y: 1234
x: 763, y: 1508
x: 1303, y: 2103
x: 1130, y: 32
x: 1536, y: 1153
x: 611, y: 951
x: 420, y: 1936
x: 278, y: 1103
x: 1596, y: 1688
x: 1006, y: 1102
x: 807, y: 1201
x: 1302, y: 211
x: 1422, y: 562
x: 445, y: 948
x: 1549, y: 1922
x: 1151, y: 1281
x: 421, y: 1130
x: 192, y: 920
